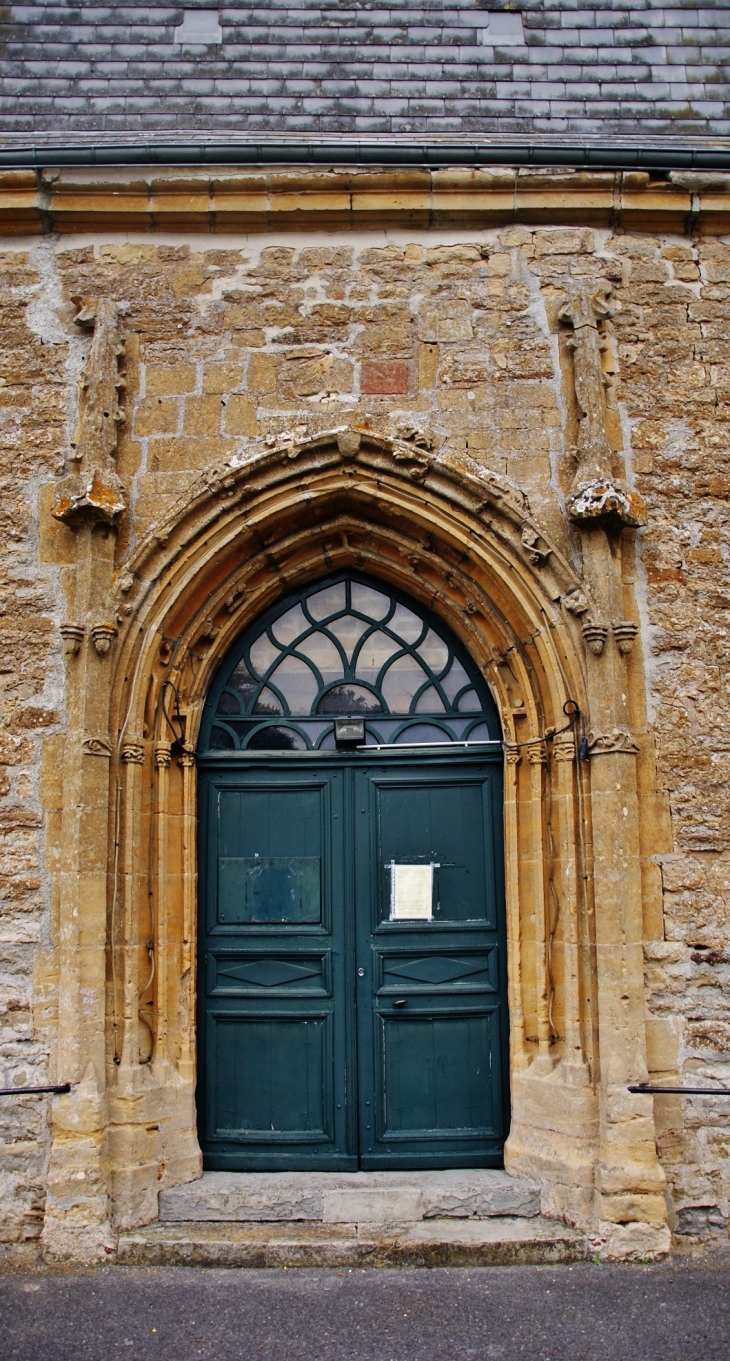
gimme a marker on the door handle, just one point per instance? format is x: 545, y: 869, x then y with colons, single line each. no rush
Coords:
x: 400, y: 1002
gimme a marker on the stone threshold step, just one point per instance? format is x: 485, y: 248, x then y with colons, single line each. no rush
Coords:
x: 436, y: 1242
x: 349, y: 1197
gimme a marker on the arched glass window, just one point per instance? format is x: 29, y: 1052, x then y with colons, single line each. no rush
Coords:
x: 346, y: 647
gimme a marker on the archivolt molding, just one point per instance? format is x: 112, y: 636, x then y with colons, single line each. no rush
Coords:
x: 455, y: 535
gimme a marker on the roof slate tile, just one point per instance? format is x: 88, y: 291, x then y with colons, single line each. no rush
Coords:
x: 431, y: 68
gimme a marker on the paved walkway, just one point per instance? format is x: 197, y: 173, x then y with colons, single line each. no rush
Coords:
x: 677, y: 1312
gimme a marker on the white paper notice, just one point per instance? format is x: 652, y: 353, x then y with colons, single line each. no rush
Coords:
x: 411, y: 892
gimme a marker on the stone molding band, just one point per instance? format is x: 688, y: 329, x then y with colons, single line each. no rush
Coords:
x: 244, y: 197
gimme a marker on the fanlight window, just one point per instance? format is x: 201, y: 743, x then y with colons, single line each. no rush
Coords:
x: 346, y: 649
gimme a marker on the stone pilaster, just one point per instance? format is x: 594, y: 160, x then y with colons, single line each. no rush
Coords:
x: 629, y: 1203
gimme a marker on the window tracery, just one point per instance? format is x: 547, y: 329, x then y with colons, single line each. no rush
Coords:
x: 346, y: 648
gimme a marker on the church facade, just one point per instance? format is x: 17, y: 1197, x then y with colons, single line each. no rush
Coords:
x: 364, y: 670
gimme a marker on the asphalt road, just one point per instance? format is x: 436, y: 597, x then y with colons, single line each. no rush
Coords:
x: 678, y: 1312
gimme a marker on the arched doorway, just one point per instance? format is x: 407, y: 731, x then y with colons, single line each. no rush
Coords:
x: 352, y: 986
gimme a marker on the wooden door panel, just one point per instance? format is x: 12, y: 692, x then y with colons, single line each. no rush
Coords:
x: 424, y: 821
x: 456, y: 971
x: 435, y: 1080
x: 254, y: 973
x: 268, y: 846
x: 273, y: 1077
x: 256, y: 890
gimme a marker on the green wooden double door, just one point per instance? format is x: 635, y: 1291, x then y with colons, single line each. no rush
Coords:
x: 352, y: 994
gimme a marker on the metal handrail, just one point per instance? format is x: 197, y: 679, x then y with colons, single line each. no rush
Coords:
x: 646, y: 1089
x: 61, y: 1089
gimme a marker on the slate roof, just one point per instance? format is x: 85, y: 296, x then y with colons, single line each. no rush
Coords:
x: 622, y: 70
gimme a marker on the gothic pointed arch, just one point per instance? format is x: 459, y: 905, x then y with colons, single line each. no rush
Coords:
x: 462, y: 543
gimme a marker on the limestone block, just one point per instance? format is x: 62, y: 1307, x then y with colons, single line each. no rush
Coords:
x: 157, y: 416
x: 449, y: 320
x: 171, y: 380
x: 632, y: 1242
x: 335, y: 1197
x: 662, y: 1045
x: 203, y: 415
x: 563, y: 241
x: 379, y: 1206
x: 222, y: 376
x: 261, y: 374
x: 240, y: 416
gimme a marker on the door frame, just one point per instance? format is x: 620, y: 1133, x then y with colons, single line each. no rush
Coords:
x: 462, y: 541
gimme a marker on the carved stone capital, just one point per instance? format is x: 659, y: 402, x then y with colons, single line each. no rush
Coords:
x: 97, y: 746
x: 537, y: 754
x: 234, y: 599
x: 207, y: 633
x: 187, y: 759
x: 163, y: 756
x: 617, y: 742
x: 512, y: 756
x: 564, y: 747
x: 72, y: 635
x: 103, y: 635
x: 133, y: 754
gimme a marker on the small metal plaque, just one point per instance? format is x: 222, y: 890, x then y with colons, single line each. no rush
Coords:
x: 411, y: 892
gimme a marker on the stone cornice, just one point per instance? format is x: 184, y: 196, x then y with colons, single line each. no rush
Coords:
x: 233, y: 199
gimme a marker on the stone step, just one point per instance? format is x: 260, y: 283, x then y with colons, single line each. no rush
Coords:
x: 504, y: 1241
x: 349, y: 1197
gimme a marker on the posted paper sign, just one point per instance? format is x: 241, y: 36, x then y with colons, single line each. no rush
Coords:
x: 411, y: 892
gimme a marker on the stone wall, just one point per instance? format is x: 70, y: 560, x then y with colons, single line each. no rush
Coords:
x: 451, y: 341
x: 33, y: 398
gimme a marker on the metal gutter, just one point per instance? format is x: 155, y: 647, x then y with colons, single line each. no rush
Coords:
x: 588, y: 156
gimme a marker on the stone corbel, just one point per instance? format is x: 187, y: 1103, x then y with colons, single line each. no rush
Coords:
x: 103, y: 636
x: 625, y: 632
x: 93, y: 494
x: 595, y: 634
x: 72, y: 635
x: 564, y: 747
x: 348, y: 443
x: 596, y: 496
